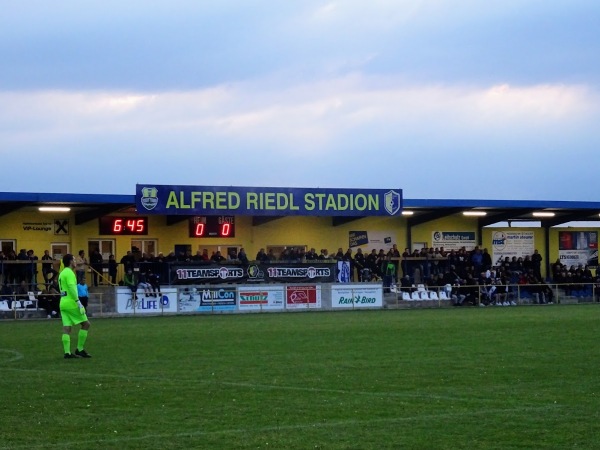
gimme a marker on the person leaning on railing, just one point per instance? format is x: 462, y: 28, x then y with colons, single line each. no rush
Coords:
x: 48, y: 271
x: 112, y: 269
x: 7, y: 293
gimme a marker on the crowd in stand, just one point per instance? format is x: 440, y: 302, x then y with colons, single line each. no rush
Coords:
x: 472, y: 275
x: 472, y: 278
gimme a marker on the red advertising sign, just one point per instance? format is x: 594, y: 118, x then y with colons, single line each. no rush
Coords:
x: 303, y: 297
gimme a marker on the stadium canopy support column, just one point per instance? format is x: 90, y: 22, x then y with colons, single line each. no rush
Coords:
x: 546, y: 229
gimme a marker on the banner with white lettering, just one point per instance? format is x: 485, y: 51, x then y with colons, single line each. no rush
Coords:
x: 578, y: 247
x: 357, y: 295
x: 164, y: 301
x: 303, y: 297
x: 253, y: 273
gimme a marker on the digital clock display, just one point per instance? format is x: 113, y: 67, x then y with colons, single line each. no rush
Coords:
x: 115, y: 225
x: 212, y: 226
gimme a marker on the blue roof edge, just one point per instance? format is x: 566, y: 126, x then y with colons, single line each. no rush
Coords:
x: 510, y: 204
x: 47, y: 197
x: 65, y: 198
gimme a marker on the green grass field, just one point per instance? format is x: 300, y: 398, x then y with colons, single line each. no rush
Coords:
x: 525, y: 377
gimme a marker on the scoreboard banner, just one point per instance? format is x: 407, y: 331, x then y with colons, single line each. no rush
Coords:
x: 262, y: 201
x: 252, y: 273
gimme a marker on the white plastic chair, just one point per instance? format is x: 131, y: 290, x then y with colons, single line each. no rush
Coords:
x: 443, y: 295
x: 32, y: 300
x: 406, y: 296
x: 424, y: 295
x: 433, y: 295
x: 4, y: 306
x: 415, y: 296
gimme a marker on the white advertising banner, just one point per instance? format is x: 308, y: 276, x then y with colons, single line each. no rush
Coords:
x: 357, y: 296
x: 454, y: 240
x: 207, y: 299
x: 260, y: 297
x: 512, y: 243
x: 165, y: 301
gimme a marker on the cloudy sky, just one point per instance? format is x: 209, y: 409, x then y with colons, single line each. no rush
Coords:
x: 444, y: 99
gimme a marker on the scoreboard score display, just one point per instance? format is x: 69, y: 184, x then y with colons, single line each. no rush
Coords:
x: 118, y: 226
x: 212, y: 227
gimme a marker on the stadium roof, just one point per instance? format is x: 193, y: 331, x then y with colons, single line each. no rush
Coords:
x: 91, y: 206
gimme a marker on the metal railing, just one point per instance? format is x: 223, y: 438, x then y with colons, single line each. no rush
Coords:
x: 492, y: 295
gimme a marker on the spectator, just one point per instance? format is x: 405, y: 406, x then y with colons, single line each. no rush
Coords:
x: 80, y: 263
x: 48, y: 271
x: 22, y: 268
x: 96, y: 264
x: 359, y: 263
x: 11, y: 271
x: 144, y: 285
x: 405, y: 284
x: 112, y: 269
x: 388, y: 269
x: 153, y: 279
x: 128, y: 261
x: 557, y: 268
x: 372, y: 264
x: 486, y: 260
x: 22, y: 292
x: 469, y: 291
x: 243, y: 258
x: 32, y: 269
x: 324, y: 254
x: 536, y: 262
x: 49, y: 300
x: 232, y: 255
x: 130, y: 281
x: 477, y: 260
x: 83, y: 292
x: 217, y: 257
x: 311, y: 255
x: 7, y: 293
x: 261, y: 256
x: 395, y: 253
x: 2, y: 259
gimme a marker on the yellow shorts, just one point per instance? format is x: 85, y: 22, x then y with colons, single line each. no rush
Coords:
x: 72, y: 316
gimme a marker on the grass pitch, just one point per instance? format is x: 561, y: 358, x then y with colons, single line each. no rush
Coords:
x: 525, y: 377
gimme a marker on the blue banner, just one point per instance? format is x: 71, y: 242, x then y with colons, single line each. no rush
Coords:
x: 261, y: 201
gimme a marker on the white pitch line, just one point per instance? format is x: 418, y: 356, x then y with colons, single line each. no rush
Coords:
x: 258, y: 386
x: 17, y: 355
x: 341, y: 423
x: 336, y: 391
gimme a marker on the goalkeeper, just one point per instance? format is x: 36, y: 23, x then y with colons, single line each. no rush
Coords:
x: 71, y: 310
